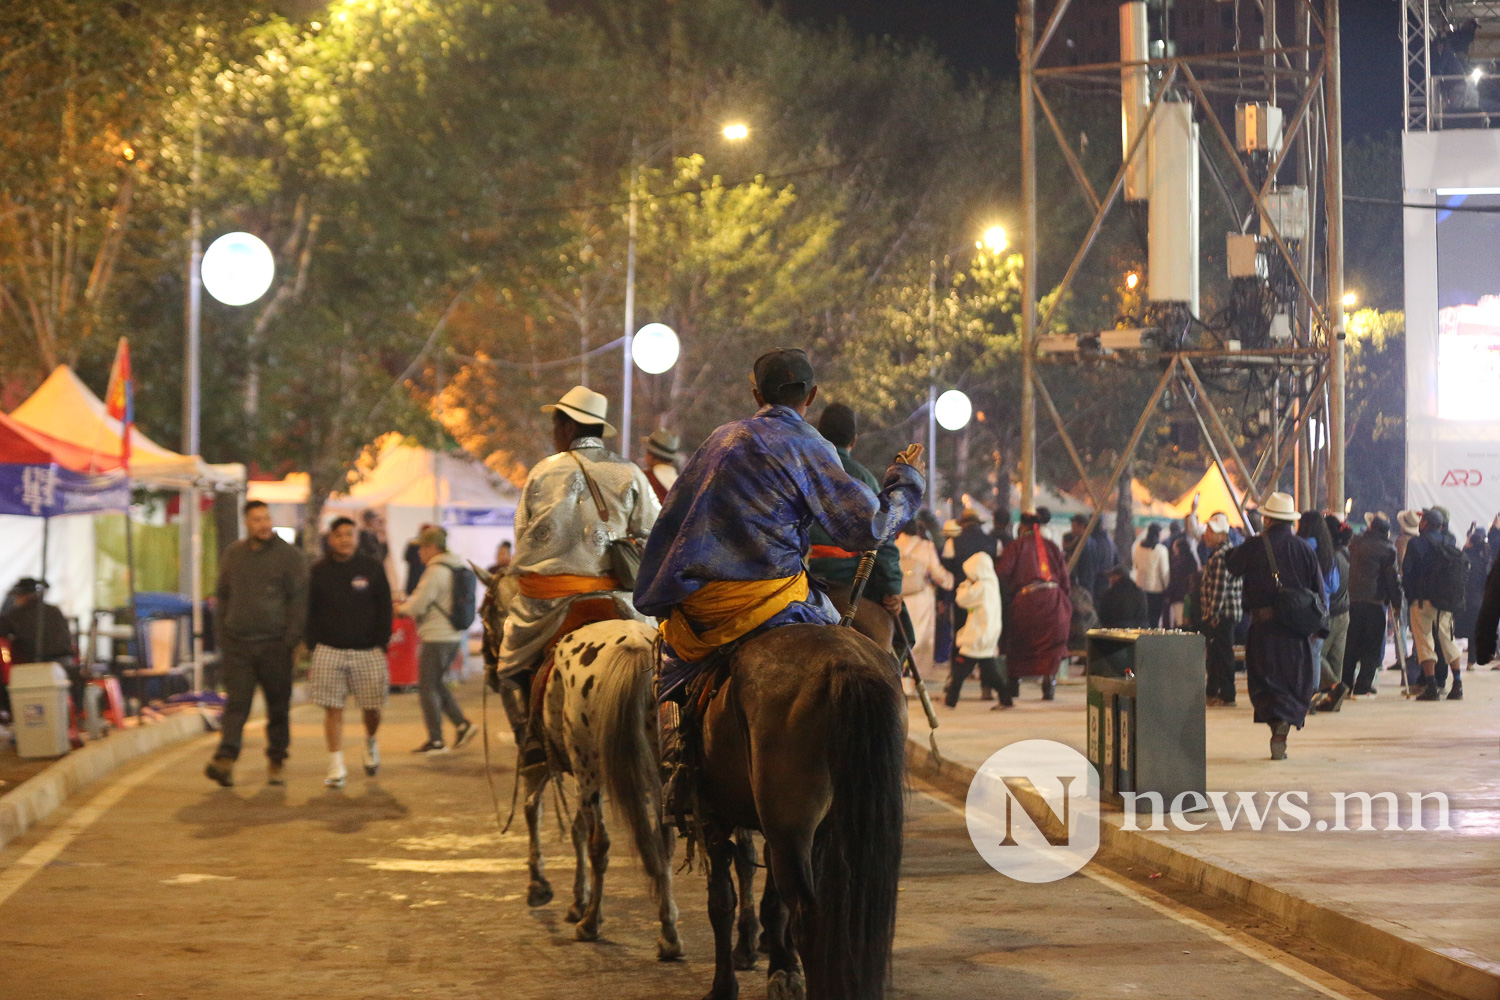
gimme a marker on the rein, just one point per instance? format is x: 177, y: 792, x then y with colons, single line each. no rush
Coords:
x: 908, y: 662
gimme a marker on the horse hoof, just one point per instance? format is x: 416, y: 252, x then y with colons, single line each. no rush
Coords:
x: 585, y: 932
x: 786, y: 986
x: 575, y: 914
x: 744, y: 958
x: 668, y: 949
x: 539, y: 895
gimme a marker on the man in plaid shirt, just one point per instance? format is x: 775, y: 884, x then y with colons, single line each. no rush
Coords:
x: 1222, y: 608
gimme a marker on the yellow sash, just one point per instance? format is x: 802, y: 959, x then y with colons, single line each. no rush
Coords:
x: 731, y: 608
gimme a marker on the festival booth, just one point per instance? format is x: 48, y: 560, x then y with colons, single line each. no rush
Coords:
x: 46, y: 486
x: 41, y: 479
x: 64, y: 409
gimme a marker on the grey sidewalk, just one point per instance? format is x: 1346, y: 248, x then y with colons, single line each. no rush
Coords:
x: 1437, y: 890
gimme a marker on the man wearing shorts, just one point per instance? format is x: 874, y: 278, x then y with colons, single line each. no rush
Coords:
x: 348, y: 626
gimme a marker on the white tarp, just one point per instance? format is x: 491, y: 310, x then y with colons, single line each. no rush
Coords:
x: 70, y: 559
x: 411, y: 486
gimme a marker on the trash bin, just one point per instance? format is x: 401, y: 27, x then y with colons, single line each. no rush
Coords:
x: 40, y: 709
x: 401, y: 654
x: 1146, y: 707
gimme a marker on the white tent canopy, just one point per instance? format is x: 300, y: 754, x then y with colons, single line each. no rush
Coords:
x: 411, y: 486
x: 68, y: 410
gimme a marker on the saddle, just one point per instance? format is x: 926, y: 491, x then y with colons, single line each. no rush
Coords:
x: 585, y: 612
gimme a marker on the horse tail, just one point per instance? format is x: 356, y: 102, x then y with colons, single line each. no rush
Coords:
x: 856, y: 857
x: 625, y: 709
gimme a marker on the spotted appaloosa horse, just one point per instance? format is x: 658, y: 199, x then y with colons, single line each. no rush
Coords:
x: 599, y: 715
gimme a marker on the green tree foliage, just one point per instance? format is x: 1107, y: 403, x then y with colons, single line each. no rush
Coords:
x: 82, y: 86
x: 446, y: 186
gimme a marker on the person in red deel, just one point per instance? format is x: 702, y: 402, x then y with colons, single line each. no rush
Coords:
x: 1034, y: 580
x: 663, y: 456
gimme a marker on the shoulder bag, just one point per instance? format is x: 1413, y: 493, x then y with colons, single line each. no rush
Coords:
x: 624, y: 553
x: 1296, y: 609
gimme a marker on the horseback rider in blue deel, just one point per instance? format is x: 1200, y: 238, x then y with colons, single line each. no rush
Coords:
x: 725, y: 560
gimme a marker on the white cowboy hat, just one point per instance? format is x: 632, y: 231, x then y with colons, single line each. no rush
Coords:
x: 1410, y: 521
x: 1280, y: 507
x: 585, y: 406
x: 664, y: 445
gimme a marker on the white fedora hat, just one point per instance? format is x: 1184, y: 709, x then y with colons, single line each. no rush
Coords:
x: 585, y: 406
x: 1280, y: 507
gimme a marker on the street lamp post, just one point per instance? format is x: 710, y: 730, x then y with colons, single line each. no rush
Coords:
x: 629, y: 358
x: 732, y: 132
x: 951, y: 411
x: 236, y: 269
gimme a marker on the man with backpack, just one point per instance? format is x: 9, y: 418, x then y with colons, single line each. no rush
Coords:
x: 443, y: 605
x: 1435, y: 574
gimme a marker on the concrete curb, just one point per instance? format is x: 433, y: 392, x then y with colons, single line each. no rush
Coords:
x: 1395, y: 949
x: 35, y: 798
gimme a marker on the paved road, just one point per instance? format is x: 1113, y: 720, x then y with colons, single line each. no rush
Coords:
x: 160, y: 885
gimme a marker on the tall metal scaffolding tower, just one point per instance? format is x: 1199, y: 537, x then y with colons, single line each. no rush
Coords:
x: 1282, y: 327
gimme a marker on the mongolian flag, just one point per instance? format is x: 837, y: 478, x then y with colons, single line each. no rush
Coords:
x: 119, y: 398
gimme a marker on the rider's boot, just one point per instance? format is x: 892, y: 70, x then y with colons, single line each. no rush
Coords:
x: 533, y: 751
x: 677, y: 791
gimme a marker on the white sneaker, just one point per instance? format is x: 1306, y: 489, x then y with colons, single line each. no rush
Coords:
x: 338, y: 775
x: 372, y: 757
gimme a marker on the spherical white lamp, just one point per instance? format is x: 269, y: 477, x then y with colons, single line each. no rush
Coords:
x: 953, y: 410
x: 655, y: 348
x: 238, y: 268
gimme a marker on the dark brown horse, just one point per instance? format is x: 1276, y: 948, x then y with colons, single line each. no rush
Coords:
x: 804, y: 743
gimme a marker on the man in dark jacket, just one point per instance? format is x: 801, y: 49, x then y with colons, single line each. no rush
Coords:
x: 1421, y: 575
x: 1482, y: 649
x: 1123, y: 604
x: 827, y: 561
x: 1332, y: 689
x: 20, y: 626
x: 1279, y: 667
x: 1105, y: 556
x: 31, y: 641
x: 262, y: 608
x: 348, y: 627
x: 1373, y: 587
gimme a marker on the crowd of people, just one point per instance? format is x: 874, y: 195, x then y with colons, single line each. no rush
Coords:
x: 1419, y: 588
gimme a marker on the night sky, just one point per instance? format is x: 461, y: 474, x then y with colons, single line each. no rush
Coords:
x: 979, y: 36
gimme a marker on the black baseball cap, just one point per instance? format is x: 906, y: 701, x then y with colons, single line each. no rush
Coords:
x: 776, y: 370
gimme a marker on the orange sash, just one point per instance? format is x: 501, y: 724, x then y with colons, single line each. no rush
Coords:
x: 546, y: 588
